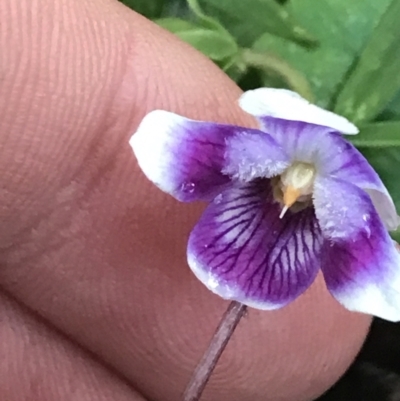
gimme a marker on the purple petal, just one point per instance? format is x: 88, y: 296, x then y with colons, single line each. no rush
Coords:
x: 302, y: 141
x: 253, y: 154
x: 342, y: 209
x: 359, y: 260
x: 269, y: 103
x: 314, y: 144
x: 307, y: 133
x: 342, y: 160
x: 194, y: 160
x: 241, y: 249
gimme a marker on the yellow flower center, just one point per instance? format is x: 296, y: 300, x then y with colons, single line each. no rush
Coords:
x: 294, y: 187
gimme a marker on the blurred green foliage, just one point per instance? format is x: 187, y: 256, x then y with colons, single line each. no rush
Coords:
x: 343, y: 55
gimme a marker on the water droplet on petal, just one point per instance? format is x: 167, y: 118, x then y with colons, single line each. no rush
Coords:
x: 218, y: 199
x: 188, y: 187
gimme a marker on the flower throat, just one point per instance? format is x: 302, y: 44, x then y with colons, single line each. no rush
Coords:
x: 294, y: 187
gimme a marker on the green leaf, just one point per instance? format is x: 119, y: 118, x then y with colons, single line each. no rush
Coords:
x: 175, y: 25
x: 396, y: 235
x: 342, y: 28
x: 378, y: 135
x: 392, y: 111
x: 375, y: 78
x: 211, y: 43
x: 246, y: 20
x: 149, y: 8
x: 386, y: 161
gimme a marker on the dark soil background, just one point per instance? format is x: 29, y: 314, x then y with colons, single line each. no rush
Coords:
x: 375, y: 374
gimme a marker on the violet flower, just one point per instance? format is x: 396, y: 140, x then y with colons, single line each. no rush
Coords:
x: 286, y: 200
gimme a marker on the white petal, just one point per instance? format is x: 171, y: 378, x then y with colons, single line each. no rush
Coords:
x: 384, y: 205
x: 373, y: 300
x: 288, y: 105
x: 150, y: 143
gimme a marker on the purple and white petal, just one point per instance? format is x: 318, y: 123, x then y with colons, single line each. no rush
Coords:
x: 310, y: 143
x: 182, y: 157
x: 302, y: 141
x: 359, y: 260
x: 340, y: 159
x: 317, y: 144
x: 253, y: 154
x: 269, y: 103
x: 240, y: 249
x: 194, y: 160
x: 342, y: 209
x: 334, y: 156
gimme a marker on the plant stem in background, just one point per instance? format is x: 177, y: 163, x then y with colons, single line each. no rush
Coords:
x: 270, y: 62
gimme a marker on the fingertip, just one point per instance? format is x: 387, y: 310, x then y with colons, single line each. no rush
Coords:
x: 118, y: 243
